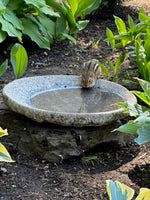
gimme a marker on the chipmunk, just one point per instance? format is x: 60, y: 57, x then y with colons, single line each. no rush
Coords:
x: 90, y: 72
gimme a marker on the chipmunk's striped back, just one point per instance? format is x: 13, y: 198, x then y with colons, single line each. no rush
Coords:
x: 90, y: 66
x: 90, y: 72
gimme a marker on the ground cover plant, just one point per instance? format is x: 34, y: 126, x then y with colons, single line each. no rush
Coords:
x: 73, y: 179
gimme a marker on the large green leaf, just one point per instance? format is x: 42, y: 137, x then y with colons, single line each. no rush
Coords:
x: 10, y: 29
x: 37, y: 4
x: 95, y: 5
x: 10, y: 16
x: 73, y: 6
x: 143, y: 134
x: 32, y: 30
x: 47, y: 26
x: 120, y: 25
x: 82, y: 6
x: 60, y: 25
x: 3, y: 67
x: 19, y: 59
x: 49, y: 11
x: 130, y: 128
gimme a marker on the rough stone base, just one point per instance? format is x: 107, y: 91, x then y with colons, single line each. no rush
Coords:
x: 51, y: 142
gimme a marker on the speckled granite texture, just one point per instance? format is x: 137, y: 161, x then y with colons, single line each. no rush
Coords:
x: 18, y: 94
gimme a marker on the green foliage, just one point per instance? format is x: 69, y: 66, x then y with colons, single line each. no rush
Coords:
x: 128, y: 35
x: 113, y: 67
x: 89, y: 158
x: 120, y: 191
x: 39, y: 21
x: 4, y: 155
x: 3, y: 67
x: 19, y: 59
x: 138, y: 37
x: 141, y: 125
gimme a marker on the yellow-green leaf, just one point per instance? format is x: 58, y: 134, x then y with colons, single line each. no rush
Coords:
x: 3, y: 132
x: 4, y: 155
x: 144, y: 194
x: 19, y: 59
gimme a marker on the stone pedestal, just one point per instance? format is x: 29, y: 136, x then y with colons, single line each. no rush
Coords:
x: 52, y: 142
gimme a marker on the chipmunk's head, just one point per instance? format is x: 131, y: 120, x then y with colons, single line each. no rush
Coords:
x: 88, y: 82
x: 88, y: 76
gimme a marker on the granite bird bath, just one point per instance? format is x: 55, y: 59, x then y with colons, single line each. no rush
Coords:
x: 59, y: 99
x: 87, y: 115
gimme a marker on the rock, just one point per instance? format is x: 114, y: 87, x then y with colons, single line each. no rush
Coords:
x: 52, y: 142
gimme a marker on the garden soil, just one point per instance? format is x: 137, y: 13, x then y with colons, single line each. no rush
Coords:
x: 32, y: 178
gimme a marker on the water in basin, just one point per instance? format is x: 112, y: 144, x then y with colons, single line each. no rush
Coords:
x: 76, y: 100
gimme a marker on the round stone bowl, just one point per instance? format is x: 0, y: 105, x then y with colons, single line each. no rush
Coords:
x: 59, y: 99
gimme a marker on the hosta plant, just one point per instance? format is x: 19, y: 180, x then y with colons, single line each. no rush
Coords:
x: 4, y: 155
x: 120, y: 191
x: 141, y: 125
x: 19, y: 59
x: 39, y: 21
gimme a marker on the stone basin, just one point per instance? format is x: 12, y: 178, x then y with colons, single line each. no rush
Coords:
x: 59, y: 99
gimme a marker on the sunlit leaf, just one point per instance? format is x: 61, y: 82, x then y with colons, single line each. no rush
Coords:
x: 3, y: 132
x: 19, y: 59
x: 4, y: 155
x: 144, y: 194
